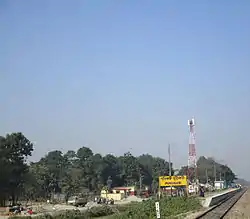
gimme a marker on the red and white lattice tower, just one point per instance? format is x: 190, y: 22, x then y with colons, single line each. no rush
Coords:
x: 192, y: 165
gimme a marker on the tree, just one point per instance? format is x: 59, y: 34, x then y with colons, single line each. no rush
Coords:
x: 209, y: 170
x: 14, y: 150
x: 85, y: 163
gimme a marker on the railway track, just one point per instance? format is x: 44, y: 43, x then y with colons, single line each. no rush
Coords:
x: 219, y: 211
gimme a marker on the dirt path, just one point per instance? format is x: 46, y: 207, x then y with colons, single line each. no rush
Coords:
x: 241, y: 209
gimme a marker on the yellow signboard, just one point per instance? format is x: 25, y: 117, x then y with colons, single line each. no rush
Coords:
x: 172, y: 181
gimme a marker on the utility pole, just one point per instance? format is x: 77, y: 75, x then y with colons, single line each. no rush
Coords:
x: 140, y: 179
x: 214, y: 171
x: 169, y: 165
x: 206, y: 176
x: 225, y: 174
x: 140, y: 182
x: 169, y: 160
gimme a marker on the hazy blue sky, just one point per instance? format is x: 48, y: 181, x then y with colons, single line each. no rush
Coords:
x: 115, y: 75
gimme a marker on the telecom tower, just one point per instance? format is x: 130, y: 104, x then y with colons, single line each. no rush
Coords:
x: 192, y: 165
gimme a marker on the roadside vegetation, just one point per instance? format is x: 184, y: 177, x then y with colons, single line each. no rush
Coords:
x: 169, y: 208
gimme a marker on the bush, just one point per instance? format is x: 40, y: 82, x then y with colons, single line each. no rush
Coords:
x: 99, y: 211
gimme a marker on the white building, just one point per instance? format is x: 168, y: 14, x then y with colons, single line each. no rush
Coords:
x: 219, y: 184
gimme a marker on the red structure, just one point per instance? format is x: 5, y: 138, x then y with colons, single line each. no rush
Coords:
x: 192, y: 165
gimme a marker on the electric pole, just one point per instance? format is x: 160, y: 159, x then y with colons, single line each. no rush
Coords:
x: 140, y: 178
x: 169, y: 165
x: 140, y: 183
x: 214, y: 171
x: 206, y: 176
x: 169, y: 160
x: 225, y: 174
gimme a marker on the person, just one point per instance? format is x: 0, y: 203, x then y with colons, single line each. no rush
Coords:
x: 201, y: 191
x: 99, y: 200
x: 29, y: 211
x: 112, y: 201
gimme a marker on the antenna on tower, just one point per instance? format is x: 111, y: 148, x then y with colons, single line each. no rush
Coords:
x: 191, y: 150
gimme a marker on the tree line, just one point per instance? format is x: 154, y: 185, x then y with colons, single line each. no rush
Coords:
x: 209, y: 171
x: 75, y: 171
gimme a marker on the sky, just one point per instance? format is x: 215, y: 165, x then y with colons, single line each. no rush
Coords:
x: 120, y: 76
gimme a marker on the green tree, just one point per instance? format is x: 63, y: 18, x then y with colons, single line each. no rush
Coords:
x: 153, y: 168
x: 85, y: 163
x: 14, y: 150
x: 209, y: 170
